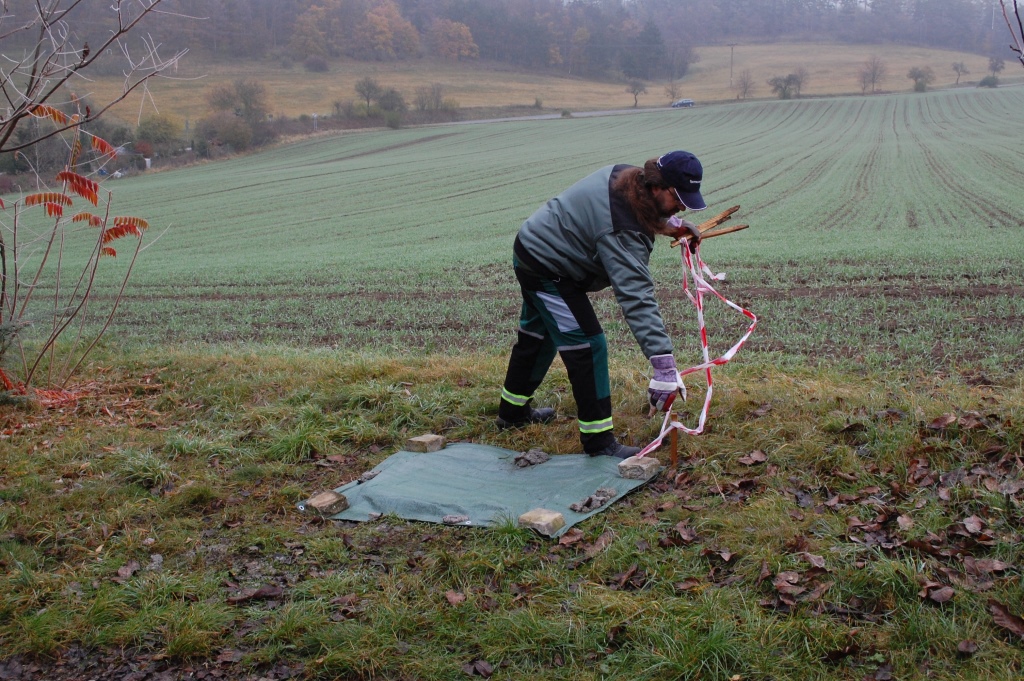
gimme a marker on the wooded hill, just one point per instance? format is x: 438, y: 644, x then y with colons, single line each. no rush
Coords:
x: 589, y: 38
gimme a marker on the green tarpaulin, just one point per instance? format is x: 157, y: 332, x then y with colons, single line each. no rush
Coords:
x: 482, y: 483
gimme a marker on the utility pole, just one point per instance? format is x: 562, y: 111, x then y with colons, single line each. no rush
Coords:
x: 732, y: 46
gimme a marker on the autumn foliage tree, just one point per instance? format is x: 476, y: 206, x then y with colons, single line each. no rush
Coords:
x: 452, y: 40
x: 309, y: 38
x: 384, y: 34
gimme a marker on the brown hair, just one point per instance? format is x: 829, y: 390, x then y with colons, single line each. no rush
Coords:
x: 636, y: 184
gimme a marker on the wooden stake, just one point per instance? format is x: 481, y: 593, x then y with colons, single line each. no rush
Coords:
x: 724, y: 230
x: 717, y: 220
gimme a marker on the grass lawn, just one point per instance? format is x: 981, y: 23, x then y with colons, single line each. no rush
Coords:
x: 153, y: 524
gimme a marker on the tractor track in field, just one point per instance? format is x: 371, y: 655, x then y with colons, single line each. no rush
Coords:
x: 904, y: 291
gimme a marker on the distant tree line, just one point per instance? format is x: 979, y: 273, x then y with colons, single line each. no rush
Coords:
x: 628, y: 39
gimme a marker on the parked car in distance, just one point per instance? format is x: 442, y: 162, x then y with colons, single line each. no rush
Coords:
x: 682, y: 103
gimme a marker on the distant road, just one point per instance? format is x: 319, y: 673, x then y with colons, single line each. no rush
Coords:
x: 543, y: 117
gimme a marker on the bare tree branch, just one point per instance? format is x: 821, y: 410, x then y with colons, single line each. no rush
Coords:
x: 54, y: 62
x: 1018, y: 34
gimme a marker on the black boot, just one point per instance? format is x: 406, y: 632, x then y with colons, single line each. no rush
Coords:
x: 617, y: 450
x: 541, y: 415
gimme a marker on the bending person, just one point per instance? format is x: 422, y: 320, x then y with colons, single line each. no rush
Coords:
x: 597, y: 233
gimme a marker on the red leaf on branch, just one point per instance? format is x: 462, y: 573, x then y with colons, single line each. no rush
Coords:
x: 76, y: 150
x: 47, y: 111
x: 47, y: 197
x: 103, y: 147
x: 93, y: 220
x: 115, y: 233
x: 83, y: 186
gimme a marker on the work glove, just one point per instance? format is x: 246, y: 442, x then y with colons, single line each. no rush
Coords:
x: 665, y: 385
x: 684, y: 227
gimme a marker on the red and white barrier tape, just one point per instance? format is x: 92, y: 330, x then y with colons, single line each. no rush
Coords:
x: 693, y: 266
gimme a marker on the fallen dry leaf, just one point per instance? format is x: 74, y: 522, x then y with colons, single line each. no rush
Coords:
x: 229, y: 656
x: 787, y: 583
x: 1002, y: 616
x: 974, y: 524
x: 263, y: 593
x: 941, y: 595
x: 126, y: 571
x: 818, y: 592
x: 967, y: 647
x: 687, y: 534
x: 478, y: 668
x: 972, y: 420
x: 687, y: 584
x: 755, y: 457
x: 599, y: 545
x: 984, y: 566
x: 942, y: 422
x: 347, y: 599
x: 571, y: 537
x: 766, y: 572
x: 816, y: 561
x: 724, y: 554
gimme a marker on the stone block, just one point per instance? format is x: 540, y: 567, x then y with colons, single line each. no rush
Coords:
x: 425, y: 443
x: 542, y: 520
x: 326, y: 503
x: 637, y: 468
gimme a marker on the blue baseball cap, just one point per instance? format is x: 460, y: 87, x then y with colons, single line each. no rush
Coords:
x: 683, y: 172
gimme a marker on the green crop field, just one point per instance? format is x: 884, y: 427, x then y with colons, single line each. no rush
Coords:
x: 297, y: 314
x: 878, y: 226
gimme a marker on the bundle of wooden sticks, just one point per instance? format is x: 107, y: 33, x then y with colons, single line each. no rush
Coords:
x: 707, y: 226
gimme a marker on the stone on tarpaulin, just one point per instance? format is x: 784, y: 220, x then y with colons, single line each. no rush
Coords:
x: 531, y: 458
x: 326, y: 503
x: 639, y: 468
x: 543, y: 521
x: 367, y: 476
x: 595, y: 501
x: 425, y: 443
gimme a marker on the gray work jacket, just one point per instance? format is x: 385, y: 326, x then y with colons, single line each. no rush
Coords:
x: 590, y: 235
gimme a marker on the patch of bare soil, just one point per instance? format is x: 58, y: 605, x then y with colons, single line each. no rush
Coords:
x: 78, y: 664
